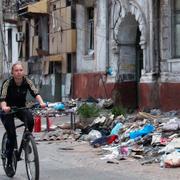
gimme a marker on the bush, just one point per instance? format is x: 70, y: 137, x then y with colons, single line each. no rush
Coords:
x: 88, y: 111
x: 118, y: 110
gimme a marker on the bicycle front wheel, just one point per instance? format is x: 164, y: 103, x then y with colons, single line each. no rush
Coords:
x: 31, y: 158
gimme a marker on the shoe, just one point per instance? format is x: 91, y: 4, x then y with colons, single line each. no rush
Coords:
x: 9, y: 170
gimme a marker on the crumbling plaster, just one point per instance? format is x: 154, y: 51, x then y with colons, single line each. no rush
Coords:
x: 97, y: 61
x: 140, y: 10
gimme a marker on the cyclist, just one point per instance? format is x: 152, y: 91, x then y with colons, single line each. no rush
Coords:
x: 13, y: 93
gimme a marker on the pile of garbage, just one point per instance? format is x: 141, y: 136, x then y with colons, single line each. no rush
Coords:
x: 149, y: 137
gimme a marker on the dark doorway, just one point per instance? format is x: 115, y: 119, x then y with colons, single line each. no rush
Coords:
x: 139, y: 56
x: 139, y: 62
x: 130, y: 58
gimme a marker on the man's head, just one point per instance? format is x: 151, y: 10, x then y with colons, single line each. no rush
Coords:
x: 17, y: 70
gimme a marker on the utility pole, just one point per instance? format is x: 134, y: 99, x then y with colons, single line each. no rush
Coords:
x: 1, y: 39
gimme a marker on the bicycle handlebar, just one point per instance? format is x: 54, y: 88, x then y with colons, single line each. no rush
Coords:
x: 15, y: 109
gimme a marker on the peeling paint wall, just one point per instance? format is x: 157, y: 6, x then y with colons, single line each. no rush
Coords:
x: 96, y: 61
x: 126, y: 17
x: 48, y: 86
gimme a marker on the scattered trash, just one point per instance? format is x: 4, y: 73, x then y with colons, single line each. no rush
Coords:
x: 105, y: 140
x: 116, y: 129
x: 148, y: 137
x: 59, y: 106
x: 93, y: 134
x: 172, y: 160
x: 142, y: 132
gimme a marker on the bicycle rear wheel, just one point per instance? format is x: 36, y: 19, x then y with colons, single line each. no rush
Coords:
x: 4, y: 158
x: 31, y: 158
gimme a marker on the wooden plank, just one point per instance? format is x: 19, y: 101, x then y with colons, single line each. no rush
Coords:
x: 63, y: 41
x: 71, y: 41
x: 63, y: 18
x: 53, y: 43
x: 45, y: 67
x: 39, y: 7
x: 64, y: 63
x: 68, y: 19
x: 57, y: 57
x: 51, y: 24
x: 35, y: 44
x: 55, y: 21
x: 51, y: 40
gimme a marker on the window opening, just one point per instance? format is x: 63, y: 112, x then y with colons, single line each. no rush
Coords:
x: 10, y: 45
x: 90, y: 29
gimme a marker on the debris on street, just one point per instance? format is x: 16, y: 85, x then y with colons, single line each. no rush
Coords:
x: 149, y: 137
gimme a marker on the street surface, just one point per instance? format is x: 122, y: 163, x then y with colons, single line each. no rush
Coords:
x: 70, y: 160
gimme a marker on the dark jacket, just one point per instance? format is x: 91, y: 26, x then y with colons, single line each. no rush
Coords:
x: 15, y: 95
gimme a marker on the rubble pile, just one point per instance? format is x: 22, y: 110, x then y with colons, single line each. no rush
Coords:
x: 150, y: 137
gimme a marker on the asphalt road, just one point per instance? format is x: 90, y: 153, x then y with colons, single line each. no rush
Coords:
x: 69, y: 160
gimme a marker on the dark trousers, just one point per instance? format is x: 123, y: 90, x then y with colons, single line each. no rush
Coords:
x: 8, y: 122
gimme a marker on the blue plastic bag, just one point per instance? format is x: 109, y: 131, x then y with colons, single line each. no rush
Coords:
x: 142, y: 132
x: 116, y: 128
x: 59, y: 106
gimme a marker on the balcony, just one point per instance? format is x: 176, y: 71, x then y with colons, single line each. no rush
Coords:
x: 34, y: 8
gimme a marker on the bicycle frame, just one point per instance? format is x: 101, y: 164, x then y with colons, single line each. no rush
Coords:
x: 24, y: 135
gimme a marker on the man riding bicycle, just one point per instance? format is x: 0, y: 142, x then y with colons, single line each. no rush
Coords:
x: 13, y: 93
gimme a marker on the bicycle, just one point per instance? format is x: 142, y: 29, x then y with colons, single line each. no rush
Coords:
x: 30, y: 151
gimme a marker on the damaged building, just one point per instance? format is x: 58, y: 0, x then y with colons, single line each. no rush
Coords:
x: 124, y: 49
x: 49, y: 46
x: 139, y: 40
